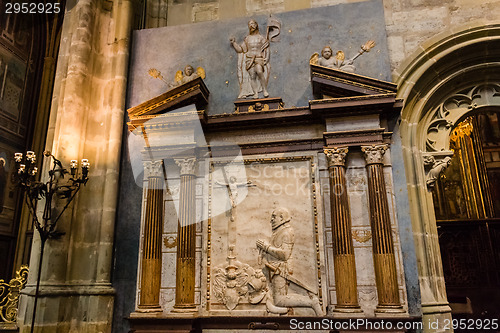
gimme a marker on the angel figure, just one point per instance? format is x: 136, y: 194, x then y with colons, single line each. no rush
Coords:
x: 339, y: 61
x: 189, y: 75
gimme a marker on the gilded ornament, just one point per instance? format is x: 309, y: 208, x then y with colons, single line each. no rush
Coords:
x: 9, y: 295
x: 170, y: 242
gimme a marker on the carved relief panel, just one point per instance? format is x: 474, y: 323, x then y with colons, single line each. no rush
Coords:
x: 263, y: 239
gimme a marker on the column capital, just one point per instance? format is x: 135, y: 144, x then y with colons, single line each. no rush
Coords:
x: 336, y: 156
x: 187, y: 165
x: 153, y: 169
x: 374, y: 154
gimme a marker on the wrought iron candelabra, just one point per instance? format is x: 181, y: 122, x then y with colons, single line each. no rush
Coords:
x: 53, y: 188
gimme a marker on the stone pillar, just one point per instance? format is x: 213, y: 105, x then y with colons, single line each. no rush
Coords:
x: 86, y: 121
x: 382, y: 242
x: 149, y: 300
x: 343, y: 250
x: 186, y: 237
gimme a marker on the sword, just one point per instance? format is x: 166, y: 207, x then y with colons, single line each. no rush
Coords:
x: 277, y: 271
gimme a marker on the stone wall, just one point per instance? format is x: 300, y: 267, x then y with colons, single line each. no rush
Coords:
x: 408, y: 22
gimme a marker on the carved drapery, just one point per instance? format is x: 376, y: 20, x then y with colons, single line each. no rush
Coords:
x: 186, y: 237
x: 149, y: 300
x: 343, y: 249
x: 382, y: 242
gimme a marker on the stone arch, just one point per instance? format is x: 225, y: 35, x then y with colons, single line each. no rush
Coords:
x: 453, y: 75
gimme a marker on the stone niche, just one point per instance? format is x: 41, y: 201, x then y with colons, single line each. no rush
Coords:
x: 236, y: 277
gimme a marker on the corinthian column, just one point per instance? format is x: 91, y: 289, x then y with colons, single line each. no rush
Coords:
x: 343, y: 250
x: 186, y: 237
x: 382, y: 242
x: 149, y: 300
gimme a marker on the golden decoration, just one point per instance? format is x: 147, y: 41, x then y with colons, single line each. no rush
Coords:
x: 178, y: 77
x: 362, y: 236
x: 314, y: 58
x: 170, y: 242
x: 153, y: 72
x: 368, y: 46
x: 201, y: 72
x: 9, y: 295
x: 340, y: 56
x: 463, y: 129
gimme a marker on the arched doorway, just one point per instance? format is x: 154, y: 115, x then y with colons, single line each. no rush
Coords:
x: 465, y: 195
x: 454, y: 77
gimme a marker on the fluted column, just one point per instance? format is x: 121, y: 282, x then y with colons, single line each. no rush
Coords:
x: 149, y: 300
x: 343, y: 250
x: 186, y: 237
x: 382, y: 242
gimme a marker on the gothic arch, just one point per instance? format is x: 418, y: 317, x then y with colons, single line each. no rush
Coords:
x: 454, y: 74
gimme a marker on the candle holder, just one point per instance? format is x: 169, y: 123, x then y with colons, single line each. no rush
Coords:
x: 54, y: 187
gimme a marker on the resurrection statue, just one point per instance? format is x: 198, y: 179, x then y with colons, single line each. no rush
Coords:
x: 339, y: 61
x: 253, y: 58
x: 276, y: 258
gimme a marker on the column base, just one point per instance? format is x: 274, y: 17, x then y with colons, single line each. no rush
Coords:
x: 390, y: 310
x: 347, y: 312
x: 347, y: 309
x: 185, y: 308
x: 149, y: 309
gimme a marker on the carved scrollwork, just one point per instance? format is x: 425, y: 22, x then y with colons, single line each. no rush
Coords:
x: 9, y: 295
x: 453, y: 109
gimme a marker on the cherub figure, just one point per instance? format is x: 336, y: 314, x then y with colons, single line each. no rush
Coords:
x: 189, y: 75
x: 180, y: 78
x: 339, y: 62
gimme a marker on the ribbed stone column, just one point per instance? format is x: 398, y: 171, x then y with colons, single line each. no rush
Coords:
x: 186, y: 237
x: 149, y: 300
x: 343, y: 250
x: 382, y: 242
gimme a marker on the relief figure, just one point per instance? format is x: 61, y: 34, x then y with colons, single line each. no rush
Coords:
x: 275, y: 256
x: 339, y: 61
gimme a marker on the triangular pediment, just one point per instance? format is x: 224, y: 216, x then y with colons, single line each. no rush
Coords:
x: 333, y: 83
x: 192, y: 92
